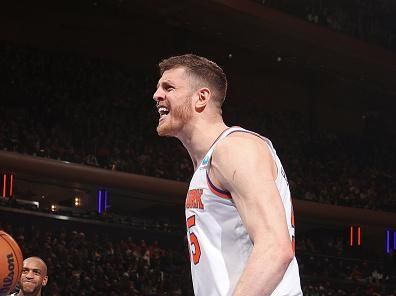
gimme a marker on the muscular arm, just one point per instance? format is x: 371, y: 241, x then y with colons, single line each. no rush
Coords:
x: 243, y: 165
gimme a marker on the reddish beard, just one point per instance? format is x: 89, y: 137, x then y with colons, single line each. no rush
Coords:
x: 178, y: 117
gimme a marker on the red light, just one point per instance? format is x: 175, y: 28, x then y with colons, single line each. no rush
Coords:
x: 4, y: 184
x: 11, y: 185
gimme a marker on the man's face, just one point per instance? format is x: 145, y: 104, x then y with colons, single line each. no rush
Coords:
x: 34, y: 276
x: 173, y: 97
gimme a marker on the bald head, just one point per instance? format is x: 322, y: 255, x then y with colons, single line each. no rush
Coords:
x: 37, y: 261
x: 34, y: 276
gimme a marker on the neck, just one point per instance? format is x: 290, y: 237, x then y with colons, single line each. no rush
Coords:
x: 200, y: 137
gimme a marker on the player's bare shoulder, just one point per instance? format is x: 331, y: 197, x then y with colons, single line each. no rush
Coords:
x: 241, y: 147
x: 243, y: 153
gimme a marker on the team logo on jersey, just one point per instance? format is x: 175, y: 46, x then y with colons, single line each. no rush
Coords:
x: 205, y: 161
x: 194, y: 199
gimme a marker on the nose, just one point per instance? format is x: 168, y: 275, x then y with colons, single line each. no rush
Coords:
x: 158, y: 95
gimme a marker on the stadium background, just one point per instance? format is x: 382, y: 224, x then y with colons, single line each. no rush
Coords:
x: 87, y: 184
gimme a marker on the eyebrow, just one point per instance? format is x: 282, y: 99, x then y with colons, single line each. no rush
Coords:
x: 165, y: 83
x: 33, y: 269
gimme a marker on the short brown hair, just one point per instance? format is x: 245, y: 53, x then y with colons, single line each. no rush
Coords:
x: 205, y: 70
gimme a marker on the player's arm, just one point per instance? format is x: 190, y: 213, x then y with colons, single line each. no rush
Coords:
x: 243, y: 165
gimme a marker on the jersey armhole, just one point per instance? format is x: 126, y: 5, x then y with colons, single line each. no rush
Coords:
x: 215, y: 190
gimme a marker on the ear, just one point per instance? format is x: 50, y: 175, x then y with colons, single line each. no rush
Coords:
x: 45, y: 280
x: 204, y: 96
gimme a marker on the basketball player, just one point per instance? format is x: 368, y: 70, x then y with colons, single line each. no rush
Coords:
x: 238, y: 208
x: 34, y: 277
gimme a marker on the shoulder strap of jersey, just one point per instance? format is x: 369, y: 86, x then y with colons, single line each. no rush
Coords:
x: 208, y: 157
x: 224, y: 134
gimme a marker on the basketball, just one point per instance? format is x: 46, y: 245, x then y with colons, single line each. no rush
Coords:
x: 11, y: 263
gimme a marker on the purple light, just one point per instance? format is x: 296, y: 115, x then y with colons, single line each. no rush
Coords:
x: 99, y: 201
x: 394, y: 240
x: 105, y: 201
x: 388, y: 241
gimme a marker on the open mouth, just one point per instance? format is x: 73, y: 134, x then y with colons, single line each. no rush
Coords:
x: 163, y: 112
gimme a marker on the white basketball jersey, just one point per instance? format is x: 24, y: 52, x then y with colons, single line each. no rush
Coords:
x: 219, y: 243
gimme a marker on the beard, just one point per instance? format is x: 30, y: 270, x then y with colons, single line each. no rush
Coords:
x: 178, y: 117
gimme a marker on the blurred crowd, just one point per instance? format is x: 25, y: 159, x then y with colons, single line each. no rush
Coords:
x: 330, y: 266
x: 84, y: 261
x: 369, y: 20
x: 96, y: 112
x: 92, y: 263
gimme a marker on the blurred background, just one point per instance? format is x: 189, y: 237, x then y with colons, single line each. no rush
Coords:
x: 88, y: 185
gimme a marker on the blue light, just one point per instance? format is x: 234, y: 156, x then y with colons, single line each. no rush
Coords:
x: 99, y: 201
x: 388, y: 241
x: 105, y: 201
x: 394, y: 240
